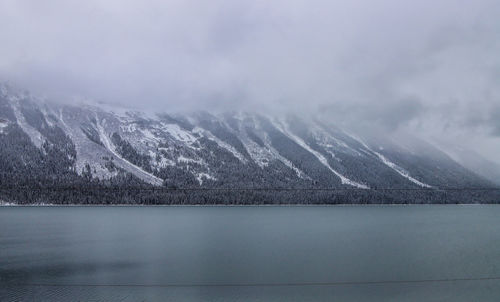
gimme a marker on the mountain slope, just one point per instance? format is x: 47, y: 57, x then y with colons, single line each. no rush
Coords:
x: 98, y: 144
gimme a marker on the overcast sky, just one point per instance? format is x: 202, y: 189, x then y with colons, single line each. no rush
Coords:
x: 429, y: 66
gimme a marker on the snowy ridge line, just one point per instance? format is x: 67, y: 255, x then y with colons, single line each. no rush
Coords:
x: 320, y: 129
x: 391, y: 165
x: 284, y: 160
x: 221, y: 143
x: 258, y: 153
x: 288, y: 163
x: 81, y: 161
x: 109, y: 145
x: 46, y: 117
x: 268, y: 149
x: 66, y: 128
x: 344, y: 180
x: 35, y: 136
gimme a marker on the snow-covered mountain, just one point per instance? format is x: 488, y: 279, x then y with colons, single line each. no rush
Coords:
x: 200, y: 149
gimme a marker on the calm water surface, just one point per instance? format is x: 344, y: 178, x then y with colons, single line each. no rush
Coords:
x: 249, y: 253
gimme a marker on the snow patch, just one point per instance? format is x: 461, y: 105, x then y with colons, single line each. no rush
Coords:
x: 165, y: 162
x: 35, y: 136
x: 201, y: 176
x: 3, y: 125
x: 6, y: 203
x: 150, y: 136
x: 47, y: 118
x: 179, y: 134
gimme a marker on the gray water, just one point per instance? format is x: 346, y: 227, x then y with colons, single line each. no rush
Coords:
x: 250, y: 253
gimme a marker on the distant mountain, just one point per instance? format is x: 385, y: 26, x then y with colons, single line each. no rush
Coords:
x: 475, y: 162
x: 46, y: 145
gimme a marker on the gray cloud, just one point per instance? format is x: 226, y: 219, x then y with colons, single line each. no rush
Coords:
x: 495, y: 120
x: 387, y: 114
x: 430, y: 66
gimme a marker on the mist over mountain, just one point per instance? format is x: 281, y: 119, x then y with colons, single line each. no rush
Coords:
x: 50, y: 145
x: 426, y: 68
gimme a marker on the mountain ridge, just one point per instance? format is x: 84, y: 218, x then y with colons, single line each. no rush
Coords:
x: 105, y: 145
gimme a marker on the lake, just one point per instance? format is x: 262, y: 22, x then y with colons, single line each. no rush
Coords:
x: 286, y: 253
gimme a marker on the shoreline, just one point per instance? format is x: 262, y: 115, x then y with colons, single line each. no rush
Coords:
x: 244, y: 205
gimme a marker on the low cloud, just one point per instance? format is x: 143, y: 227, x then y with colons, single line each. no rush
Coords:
x: 424, y: 65
x: 388, y: 115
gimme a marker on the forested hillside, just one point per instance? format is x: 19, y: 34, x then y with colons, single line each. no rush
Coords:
x: 93, y: 154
